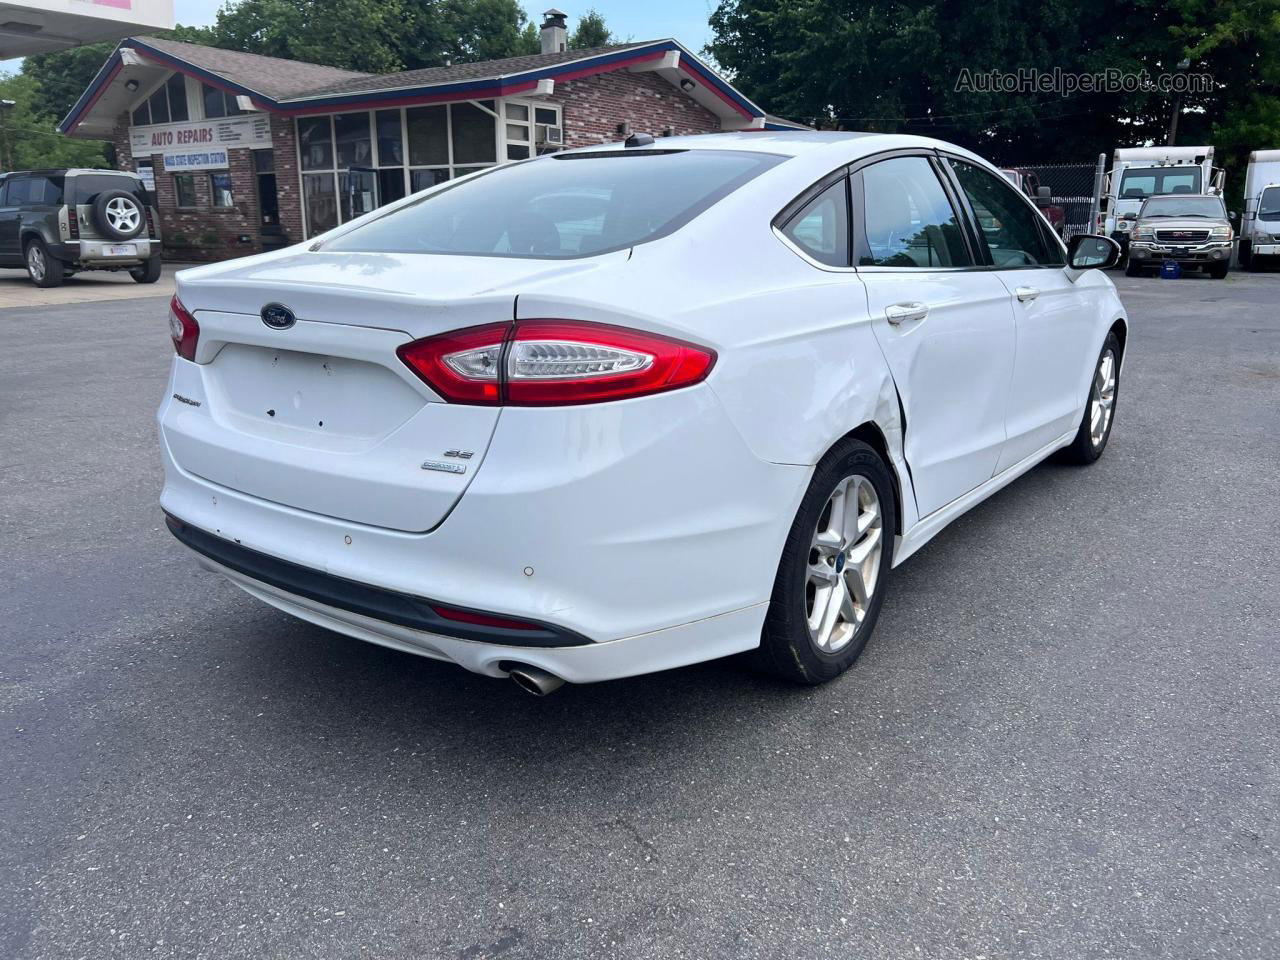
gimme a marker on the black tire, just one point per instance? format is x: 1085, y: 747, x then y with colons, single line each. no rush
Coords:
x: 1083, y: 450
x: 44, y: 269
x: 1219, y: 270
x: 149, y: 272
x: 109, y: 204
x: 1133, y: 269
x: 1256, y: 264
x: 787, y: 649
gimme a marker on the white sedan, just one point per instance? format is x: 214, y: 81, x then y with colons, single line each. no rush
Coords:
x: 625, y: 408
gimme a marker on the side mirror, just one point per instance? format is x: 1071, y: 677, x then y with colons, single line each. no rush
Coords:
x: 1234, y: 216
x: 1088, y: 251
x: 1044, y: 197
x: 1130, y: 216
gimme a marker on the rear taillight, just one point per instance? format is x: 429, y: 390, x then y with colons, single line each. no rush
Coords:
x: 151, y: 226
x: 538, y: 363
x: 183, y: 329
x: 73, y: 223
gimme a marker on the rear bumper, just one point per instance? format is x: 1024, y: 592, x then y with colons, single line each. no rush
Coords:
x: 96, y: 253
x: 646, y: 522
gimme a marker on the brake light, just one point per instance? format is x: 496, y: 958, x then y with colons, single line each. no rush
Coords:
x: 151, y: 226
x: 536, y: 363
x: 183, y: 329
x: 73, y: 223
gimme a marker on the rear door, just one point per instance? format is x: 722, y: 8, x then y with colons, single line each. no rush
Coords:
x: 946, y: 328
x: 1053, y: 323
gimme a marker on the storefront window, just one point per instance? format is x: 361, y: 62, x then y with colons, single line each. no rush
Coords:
x: 473, y: 139
x: 184, y: 189
x: 220, y: 190
x: 428, y: 135
x: 167, y: 104
x: 218, y: 103
x: 320, y: 202
x: 390, y: 139
x: 351, y: 131
x: 422, y: 179
x: 356, y: 162
x: 315, y: 143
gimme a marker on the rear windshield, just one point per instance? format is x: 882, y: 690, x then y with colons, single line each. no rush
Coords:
x: 89, y: 185
x: 1146, y: 182
x: 563, y: 206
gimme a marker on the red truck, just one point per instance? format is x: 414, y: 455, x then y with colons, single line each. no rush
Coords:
x: 1029, y: 183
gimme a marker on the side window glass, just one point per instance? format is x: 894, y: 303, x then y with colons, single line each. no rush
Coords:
x: 17, y: 192
x: 1008, y: 224
x: 907, y: 218
x: 821, y: 227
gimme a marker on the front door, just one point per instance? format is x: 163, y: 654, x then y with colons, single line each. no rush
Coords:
x: 946, y: 329
x: 13, y: 190
x: 1055, y: 330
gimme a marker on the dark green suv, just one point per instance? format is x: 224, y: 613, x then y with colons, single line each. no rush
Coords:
x: 58, y: 222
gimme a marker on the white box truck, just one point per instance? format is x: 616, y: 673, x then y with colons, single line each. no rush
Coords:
x: 1140, y: 172
x: 1260, y: 229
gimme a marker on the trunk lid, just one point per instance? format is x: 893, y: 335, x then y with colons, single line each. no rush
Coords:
x: 323, y: 416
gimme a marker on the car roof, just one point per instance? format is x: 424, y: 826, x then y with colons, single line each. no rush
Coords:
x: 791, y: 143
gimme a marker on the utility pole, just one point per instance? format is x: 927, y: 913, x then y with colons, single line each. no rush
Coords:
x: 6, y: 160
x: 1183, y: 66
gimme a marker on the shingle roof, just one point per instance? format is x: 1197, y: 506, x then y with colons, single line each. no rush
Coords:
x: 273, y: 76
x: 484, y: 70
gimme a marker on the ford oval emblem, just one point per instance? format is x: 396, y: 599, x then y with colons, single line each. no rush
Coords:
x: 278, y: 317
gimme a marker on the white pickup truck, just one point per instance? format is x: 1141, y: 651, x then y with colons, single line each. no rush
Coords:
x: 1140, y: 172
x: 1260, y: 229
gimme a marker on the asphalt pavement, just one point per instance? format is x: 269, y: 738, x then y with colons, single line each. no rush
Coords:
x: 1061, y: 743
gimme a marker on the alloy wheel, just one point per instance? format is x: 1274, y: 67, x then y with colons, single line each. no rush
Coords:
x: 844, y: 564
x: 1102, y: 398
x: 35, y: 262
x: 123, y: 214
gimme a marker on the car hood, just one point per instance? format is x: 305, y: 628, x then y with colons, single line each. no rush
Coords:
x: 1182, y: 223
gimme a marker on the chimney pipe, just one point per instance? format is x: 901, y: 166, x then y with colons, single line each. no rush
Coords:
x: 555, y: 35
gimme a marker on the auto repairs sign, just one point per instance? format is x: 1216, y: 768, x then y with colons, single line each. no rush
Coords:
x: 215, y: 158
x: 200, y: 136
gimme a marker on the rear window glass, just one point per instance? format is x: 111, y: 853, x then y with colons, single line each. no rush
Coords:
x: 89, y: 185
x: 563, y: 206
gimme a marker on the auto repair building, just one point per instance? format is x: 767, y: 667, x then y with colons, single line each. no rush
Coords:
x: 246, y: 153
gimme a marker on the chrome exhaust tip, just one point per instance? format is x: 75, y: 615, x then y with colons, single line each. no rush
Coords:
x: 535, y: 680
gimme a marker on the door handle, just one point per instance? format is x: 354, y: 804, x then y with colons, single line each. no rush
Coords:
x: 1026, y: 294
x: 901, y: 312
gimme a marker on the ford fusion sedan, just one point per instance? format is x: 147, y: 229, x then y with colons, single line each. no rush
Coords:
x: 625, y: 408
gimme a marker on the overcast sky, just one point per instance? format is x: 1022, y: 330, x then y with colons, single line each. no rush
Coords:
x: 685, y: 20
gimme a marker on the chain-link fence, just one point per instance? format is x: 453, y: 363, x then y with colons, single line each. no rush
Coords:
x: 1071, y: 190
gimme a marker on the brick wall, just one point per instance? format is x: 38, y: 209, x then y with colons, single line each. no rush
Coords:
x: 594, y: 106
x: 288, y: 183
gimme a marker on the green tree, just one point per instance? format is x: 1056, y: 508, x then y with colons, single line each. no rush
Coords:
x: 28, y: 138
x: 893, y: 65
x: 590, y: 31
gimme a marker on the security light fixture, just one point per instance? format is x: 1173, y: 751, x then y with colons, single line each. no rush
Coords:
x: 686, y: 84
